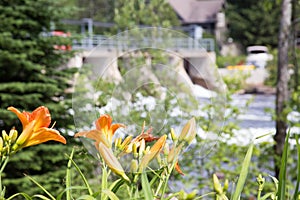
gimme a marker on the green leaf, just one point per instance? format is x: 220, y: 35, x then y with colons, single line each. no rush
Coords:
x: 41, y: 197
x: 298, y: 170
x: 110, y: 194
x: 266, y: 196
x: 116, y: 185
x: 26, y: 196
x: 86, y: 197
x: 82, y: 176
x: 282, y: 173
x: 275, y: 182
x: 40, y: 186
x: 243, y: 175
x: 104, y: 180
x: 157, y: 175
x: 146, y: 187
x: 69, y: 189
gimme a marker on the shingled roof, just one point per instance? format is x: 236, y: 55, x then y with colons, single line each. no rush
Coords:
x: 197, y: 11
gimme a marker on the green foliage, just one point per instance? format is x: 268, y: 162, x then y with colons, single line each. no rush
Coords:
x: 253, y: 22
x: 243, y: 174
x: 44, y: 164
x: 272, y: 69
x: 126, y: 14
x: 129, y: 14
x: 236, y: 80
x: 224, y: 61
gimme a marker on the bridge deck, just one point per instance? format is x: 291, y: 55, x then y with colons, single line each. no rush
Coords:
x: 123, y: 43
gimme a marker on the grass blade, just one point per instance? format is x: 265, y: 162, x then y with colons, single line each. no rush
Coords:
x: 70, y: 188
x: 40, y: 186
x: 82, y: 176
x: 282, y: 173
x: 116, y: 185
x: 243, y: 175
x: 68, y: 176
x: 298, y: 170
x: 146, y: 187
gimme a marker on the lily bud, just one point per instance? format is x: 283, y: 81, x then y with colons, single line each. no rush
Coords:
x: 126, y: 142
x: 261, y: 182
x: 111, y: 161
x: 173, y: 154
x: 173, y: 135
x: 152, y: 153
x: 5, y: 136
x: 217, y: 185
x: 118, y: 142
x: 146, y: 150
x: 192, y: 195
x: 1, y: 144
x: 142, y: 147
x: 134, y: 150
x: 188, y: 132
x: 13, y: 134
x: 134, y: 166
x: 226, y: 185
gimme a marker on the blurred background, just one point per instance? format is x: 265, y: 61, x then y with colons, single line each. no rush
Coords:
x: 237, y: 59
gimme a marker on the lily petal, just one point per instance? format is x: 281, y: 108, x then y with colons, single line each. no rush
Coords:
x: 44, y: 135
x: 104, y: 122
x: 114, y: 127
x: 25, y: 135
x: 22, y: 117
x: 42, y: 116
x: 177, y: 168
x: 96, y: 135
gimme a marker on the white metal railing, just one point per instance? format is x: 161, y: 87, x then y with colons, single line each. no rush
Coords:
x: 129, y: 43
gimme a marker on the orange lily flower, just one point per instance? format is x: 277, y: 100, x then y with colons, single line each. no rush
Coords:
x: 35, y: 128
x: 104, y: 131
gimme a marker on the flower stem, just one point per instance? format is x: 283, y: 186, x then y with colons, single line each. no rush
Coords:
x: 169, y: 171
x: 104, y: 179
x: 258, y: 194
x: 3, y: 165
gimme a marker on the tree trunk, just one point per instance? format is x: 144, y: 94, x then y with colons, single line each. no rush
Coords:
x: 295, y: 21
x: 282, y: 81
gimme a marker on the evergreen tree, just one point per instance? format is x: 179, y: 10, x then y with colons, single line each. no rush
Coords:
x: 31, y: 69
x: 253, y: 22
x: 33, y: 73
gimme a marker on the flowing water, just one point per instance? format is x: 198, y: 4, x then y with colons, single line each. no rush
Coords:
x: 256, y: 120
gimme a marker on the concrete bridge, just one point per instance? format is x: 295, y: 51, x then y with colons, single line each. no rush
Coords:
x: 193, y: 59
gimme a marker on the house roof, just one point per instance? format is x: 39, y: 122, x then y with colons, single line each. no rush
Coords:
x: 197, y: 11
